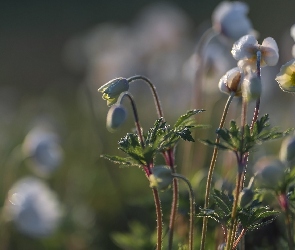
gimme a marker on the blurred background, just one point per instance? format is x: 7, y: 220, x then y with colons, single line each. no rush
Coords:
x: 55, y: 190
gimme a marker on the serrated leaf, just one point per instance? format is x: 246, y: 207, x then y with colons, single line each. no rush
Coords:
x: 254, y: 217
x: 130, y: 145
x: 219, y: 145
x: 127, y: 161
x: 223, y: 201
x: 181, y: 121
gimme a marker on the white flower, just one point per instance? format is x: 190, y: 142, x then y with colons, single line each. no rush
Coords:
x: 33, y: 207
x: 286, y: 77
x: 42, y: 149
x: 229, y: 19
x: 246, y: 48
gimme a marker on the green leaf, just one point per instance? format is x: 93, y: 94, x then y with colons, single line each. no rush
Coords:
x: 123, y: 162
x: 182, y: 120
x: 130, y: 144
x: 256, y: 216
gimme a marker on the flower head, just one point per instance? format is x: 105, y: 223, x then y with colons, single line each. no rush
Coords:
x: 33, y: 207
x: 287, y: 151
x: 246, y: 48
x: 230, y: 19
x: 286, y: 77
x: 231, y: 82
x: 116, y: 117
x: 270, y: 172
x: 42, y: 151
x: 161, y: 177
x: 112, y: 89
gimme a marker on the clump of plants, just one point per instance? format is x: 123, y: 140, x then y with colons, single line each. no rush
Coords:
x: 248, y: 206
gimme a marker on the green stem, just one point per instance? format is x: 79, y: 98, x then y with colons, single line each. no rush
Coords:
x: 173, y: 213
x: 192, y: 209
x: 154, y: 92
x: 159, y: 218
x: 155, y: 191
x: 211, y: 170
x: 233, y: 223
x: 241, y: 168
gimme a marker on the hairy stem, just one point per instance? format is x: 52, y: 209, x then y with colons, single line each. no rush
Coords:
x: 233, y: 223
x: 154, y: 92
x: 242, y: 234
x: 192, y: 210
x: 159, y: 218
x: 211, y: 170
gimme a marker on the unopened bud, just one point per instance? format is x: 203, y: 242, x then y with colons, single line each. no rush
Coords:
x: 112, y: 89
x: 161, y: 177
x: 252, y: 88
x: 116, y: 117
x: 246, y: 197
x: 270, y: 173
x: 231, y: 82
x: 287, y: 152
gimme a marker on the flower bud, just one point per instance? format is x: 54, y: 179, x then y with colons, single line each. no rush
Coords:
x: 33, y: 207
x: 287, y: 152
x: 116, y: 117
x: 270, y: 173
x: 231, y: 82
x: 245, y: 197
x: 161, y: 177
x: 112, y: 89
x: 251, y: 88
x: 230, y: 19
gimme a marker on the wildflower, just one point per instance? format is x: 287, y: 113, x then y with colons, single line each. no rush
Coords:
x: 33, y: 207
x: 112, y: 89
x: 286, y: 77
x: 116, y: 117
x: 42, y: 151
x: 230, y: 20
x: 246, y: 48
x: 287, y: 151
x: 251, y: 87
x: 161, y: 177
x: 231, y: 82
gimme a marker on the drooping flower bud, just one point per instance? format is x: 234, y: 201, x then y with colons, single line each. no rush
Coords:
x: 42, y: 151
x: 231, y: 82
x: 287, y: 151
x: 245, y: 197
x: 116, y: 117
x: 161, y: 177
x: 230, y: 19
x: 112, y: 89
x: 251, y: 88
x: 33, y: 208
x: 270, y: 173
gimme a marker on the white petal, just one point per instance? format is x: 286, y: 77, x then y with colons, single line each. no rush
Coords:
x: 245, y: 47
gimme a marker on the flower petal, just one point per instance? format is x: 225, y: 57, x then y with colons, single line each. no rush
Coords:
x: 245, y: 47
